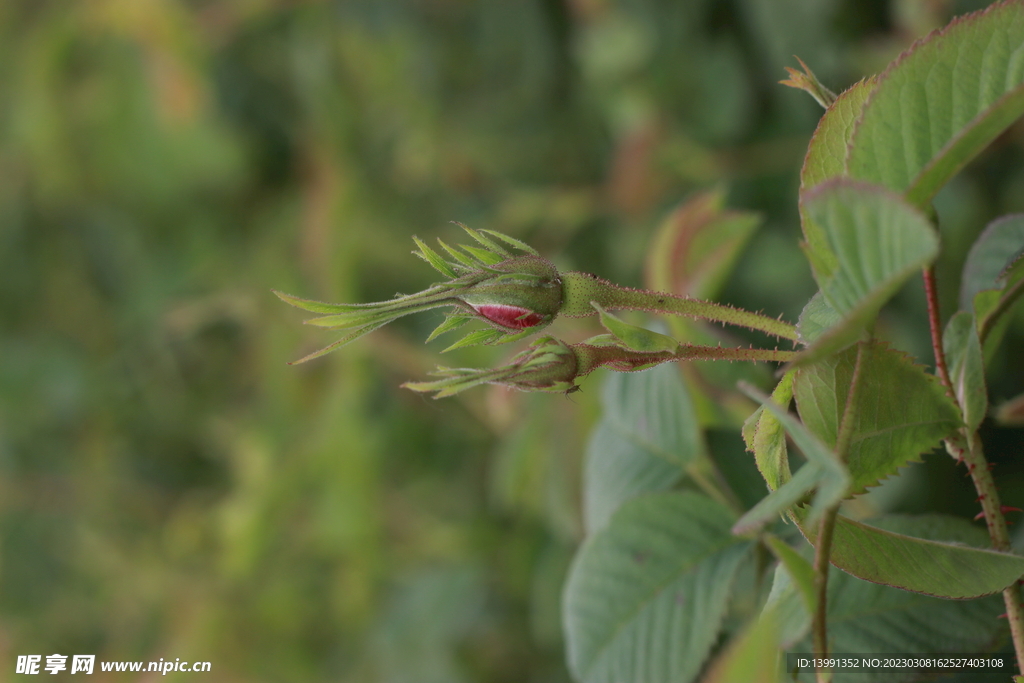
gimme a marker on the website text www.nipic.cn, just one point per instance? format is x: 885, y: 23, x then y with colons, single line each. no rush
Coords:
x: 86, y: 664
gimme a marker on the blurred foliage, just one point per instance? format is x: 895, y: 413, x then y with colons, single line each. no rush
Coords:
x: 170, y: 488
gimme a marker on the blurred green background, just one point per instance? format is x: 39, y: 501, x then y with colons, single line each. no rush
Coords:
x: 169, y: 487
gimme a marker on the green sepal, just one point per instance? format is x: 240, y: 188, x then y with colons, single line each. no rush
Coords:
x: 451, y: 322
x: 434, y: 259
x: 522, y: 246
x: 313, y: 306
x: 633, y: 337
x: 351, y: 336
x: 464, y: 260
x: 485, y: 336
x: 488, y: 244
x: 485, y: 257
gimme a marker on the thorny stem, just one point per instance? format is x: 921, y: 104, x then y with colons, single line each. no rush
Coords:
x: 974, y: 457
x: 611, y: 356
x: 967, y: 447
x: 823, y: 545
x: 931, y: 293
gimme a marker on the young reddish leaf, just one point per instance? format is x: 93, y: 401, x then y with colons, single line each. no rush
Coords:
x: 806, y: 80
x: 697, y: 246
x: 1011, y: 413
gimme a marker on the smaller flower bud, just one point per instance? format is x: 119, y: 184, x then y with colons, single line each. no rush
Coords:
x: 548, y: 365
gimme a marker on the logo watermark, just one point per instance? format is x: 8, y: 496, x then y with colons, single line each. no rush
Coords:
x: 86, y: 664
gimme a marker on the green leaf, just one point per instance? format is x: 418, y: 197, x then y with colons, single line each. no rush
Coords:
x: 823, y: 470
x: 992, y: 254
x: 826, y: 159
x: 789, y: 608
x: 941, y: 103
x: 752, y: 658
x: 901, y: 411
x: 648, y: 436
x: 766, y: 439
x: 697, y: 246
x: 633, y: 337
x: 653, y: 409
x: 1014, y: 269
x: 800, y: 571
x: 793, y: 596
x: 884, y: 553
x: 826, y: 153
x: 992, y: 276
x: 784, y: 498
x: 966, y: 367
x: 870, y: 618
x: 816, y: 319
x: 878, y: 241
x: 618, y: 469
x: 646, y: 594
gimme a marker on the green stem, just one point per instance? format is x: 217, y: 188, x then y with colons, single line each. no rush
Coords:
x: 823, y: 545
x: 579, y: 289
x: 822, y: 552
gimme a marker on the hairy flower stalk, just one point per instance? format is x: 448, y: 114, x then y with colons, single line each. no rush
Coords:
x: 552, y: 365
x: 582, y: 288
x: 515, y: 295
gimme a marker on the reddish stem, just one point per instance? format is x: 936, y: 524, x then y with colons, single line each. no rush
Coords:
x: 931, y: 293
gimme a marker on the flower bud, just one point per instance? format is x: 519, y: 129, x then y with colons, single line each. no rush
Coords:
x: 548, y: 365
x: 514, y: 295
